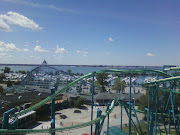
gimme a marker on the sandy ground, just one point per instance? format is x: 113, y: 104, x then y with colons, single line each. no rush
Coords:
x: 85, y: 116
x: 140, y: 89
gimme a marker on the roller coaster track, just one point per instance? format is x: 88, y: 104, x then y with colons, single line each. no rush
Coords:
x: 44, y: 101
x: 22, y: 131
x: 172, y: 68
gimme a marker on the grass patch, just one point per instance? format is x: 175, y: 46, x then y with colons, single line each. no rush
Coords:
x: 142, y: 125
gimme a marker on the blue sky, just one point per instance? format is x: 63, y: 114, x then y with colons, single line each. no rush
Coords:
x: 116, y: 32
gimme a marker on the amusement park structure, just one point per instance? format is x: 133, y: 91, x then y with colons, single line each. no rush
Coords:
x: 162, y: 114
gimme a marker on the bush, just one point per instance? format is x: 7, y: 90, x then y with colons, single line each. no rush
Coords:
x: 77, y: 111
x: 43, y: 111
x: 7, y: 70
x: 9, y: 83
x: 2, y: 76
x: 63, y: 116
x: 79, y: 102
x: 1, y: 90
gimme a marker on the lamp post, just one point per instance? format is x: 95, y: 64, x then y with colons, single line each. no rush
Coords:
x: 134, y: 101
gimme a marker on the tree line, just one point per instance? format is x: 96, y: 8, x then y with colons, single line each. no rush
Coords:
x: 102, y: 82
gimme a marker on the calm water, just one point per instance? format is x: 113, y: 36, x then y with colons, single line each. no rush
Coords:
x: 83, y: 70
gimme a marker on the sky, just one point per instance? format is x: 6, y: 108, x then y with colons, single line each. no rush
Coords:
x: 90, y: 32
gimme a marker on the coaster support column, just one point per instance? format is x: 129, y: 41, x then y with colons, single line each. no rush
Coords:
x: 129, y: 130
x: 92, y: 101
x: 53, y: 112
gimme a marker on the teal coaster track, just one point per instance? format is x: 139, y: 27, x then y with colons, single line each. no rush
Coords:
x: 156, y: 115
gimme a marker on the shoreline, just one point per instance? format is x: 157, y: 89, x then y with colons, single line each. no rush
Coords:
x: 64, y: 65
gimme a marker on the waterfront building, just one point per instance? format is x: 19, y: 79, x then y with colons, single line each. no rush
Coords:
x: 43, y: 78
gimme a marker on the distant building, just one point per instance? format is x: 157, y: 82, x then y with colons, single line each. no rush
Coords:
x: 104, y: 98
x: 42, y: 78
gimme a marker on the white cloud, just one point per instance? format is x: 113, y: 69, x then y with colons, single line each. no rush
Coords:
x: 110, y: 39
x: 40, y: 49
x: 60, y: 50
x: 5, y: 55
x: 83, y: 53
x: 150, y: 54
x: 4, y: 26
x: 25, y: 50
x: 8, y: 47
x: 18, y: 19
x: 35, y: 57
x: 36, y: 5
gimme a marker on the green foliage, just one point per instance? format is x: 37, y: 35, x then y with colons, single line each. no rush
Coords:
x: 97, y: 85
x: 57, y: 73
x: 78, y: 73
x: 102, y: 80
x: 90, y: 80
x: 1, y: 90
x: 42, y: 112
x: 9, y: 83
x: 16, y: 83
x: 79, y: 102
x: 143, y: 101
x: 22, y: 71
x: 2, y: 76
x: 142, y: 73
x: 177, y: 103
x: 135, y: 83
x: 7, y: 70
x: 77, y: 111
x: 69, y: 71
x: 143, y: 126
x: 125, y: 74
x: 119, y: 85
x: 63, y: 116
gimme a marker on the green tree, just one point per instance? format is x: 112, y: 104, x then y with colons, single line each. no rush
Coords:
x: 2, y: 76
x: 22, y: 71
x: 57, y: 73
x: 7, y: 70
x: 69, y: 71
x: 78, y: 73
x: 177, y: 103
x: 9, y: 83
x: 79, y: 102
x: 90, y: 80
x: 119, y: 85
x: 16, y: 83
x: 102, y: 80
x: 135, y: 83
x: 43, y: 111
x: 143, y: 101
x: 1, y: 90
